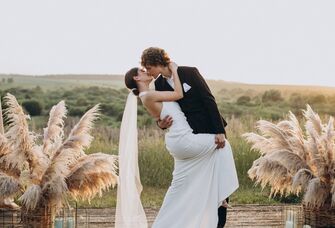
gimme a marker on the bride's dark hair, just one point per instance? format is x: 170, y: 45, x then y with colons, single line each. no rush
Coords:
x: 130, y: 82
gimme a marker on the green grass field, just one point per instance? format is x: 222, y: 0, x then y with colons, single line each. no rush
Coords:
x: 81, y: 92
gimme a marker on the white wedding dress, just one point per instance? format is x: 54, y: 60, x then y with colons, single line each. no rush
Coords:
x: 203, y: 176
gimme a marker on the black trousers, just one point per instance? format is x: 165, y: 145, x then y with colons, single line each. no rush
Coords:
x: 222, y: 213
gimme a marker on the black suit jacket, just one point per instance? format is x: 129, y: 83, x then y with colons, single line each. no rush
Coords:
x: 198, y: 103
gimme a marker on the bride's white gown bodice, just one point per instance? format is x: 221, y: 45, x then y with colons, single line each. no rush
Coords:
x: 179, y: 125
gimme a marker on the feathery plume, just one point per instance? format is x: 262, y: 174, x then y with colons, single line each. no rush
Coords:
x: 53, y: 133
x: 259, y: 142
x: 19, y: 137
x: 9, y: 186
x: 278, y: 136
x: 293, y: 160
x: 31, y: 197
x: 92, y: 175
x: 301, y: 179
x: 316, y: 193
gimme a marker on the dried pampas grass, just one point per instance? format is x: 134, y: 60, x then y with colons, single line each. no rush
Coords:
x: 92, y: 175
x: 54, y: 133
x: 294, y: 160
x: 31, y: 197
x: 48, y: 173
x: 9, y: 186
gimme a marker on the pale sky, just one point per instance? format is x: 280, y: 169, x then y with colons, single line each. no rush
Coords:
x: 251, y: 41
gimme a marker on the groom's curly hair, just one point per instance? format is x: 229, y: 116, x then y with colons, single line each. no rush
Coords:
x: 154, y: 56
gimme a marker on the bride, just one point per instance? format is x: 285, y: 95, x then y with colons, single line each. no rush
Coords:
x: 203, y: 176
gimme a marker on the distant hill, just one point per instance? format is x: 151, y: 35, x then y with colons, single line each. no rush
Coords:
x: 235, y: 89
x: 54, y: 82
x: 84, y: 77
x: 228, y: 90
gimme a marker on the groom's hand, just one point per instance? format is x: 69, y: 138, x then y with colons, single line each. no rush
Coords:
x: 220, y: 140
x: 165, y: 123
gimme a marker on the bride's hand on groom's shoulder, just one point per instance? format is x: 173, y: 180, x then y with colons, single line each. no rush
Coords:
x: 220, y: 140
x: 173, y: 66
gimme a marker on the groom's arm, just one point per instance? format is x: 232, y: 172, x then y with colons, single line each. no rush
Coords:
x: 167, y: 121
x: 208, y: 101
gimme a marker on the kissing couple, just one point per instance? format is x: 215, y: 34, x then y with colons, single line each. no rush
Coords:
x: 204, y: 173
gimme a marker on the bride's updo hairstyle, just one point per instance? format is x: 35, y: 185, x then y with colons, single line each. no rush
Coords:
x: 130, y: 82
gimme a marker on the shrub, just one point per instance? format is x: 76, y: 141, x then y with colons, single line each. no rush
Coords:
x: 272, y: 96
x: 76, y: 111
x: 317, y: 99
x: 297, y: 101
x: 242, y: 100
x: 33, y: 107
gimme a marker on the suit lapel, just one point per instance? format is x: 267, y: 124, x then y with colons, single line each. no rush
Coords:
x: 164, y: 84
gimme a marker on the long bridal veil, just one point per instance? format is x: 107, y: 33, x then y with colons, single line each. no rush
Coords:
x: 129, y: 209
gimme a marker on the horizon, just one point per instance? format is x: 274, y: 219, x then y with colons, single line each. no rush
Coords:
x: 210, y: 79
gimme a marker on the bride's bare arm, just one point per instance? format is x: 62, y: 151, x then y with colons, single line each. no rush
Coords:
x: 158, y: 96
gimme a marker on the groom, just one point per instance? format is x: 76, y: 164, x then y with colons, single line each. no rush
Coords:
x: 198, y: 103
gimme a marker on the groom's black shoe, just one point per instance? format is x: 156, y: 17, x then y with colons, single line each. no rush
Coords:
x: 222, y: 213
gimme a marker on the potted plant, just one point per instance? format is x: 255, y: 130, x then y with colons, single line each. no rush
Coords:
x: 44, y: 175
x: 298, y: 161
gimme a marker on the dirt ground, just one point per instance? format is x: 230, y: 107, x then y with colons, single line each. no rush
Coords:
x: 238, y: 216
